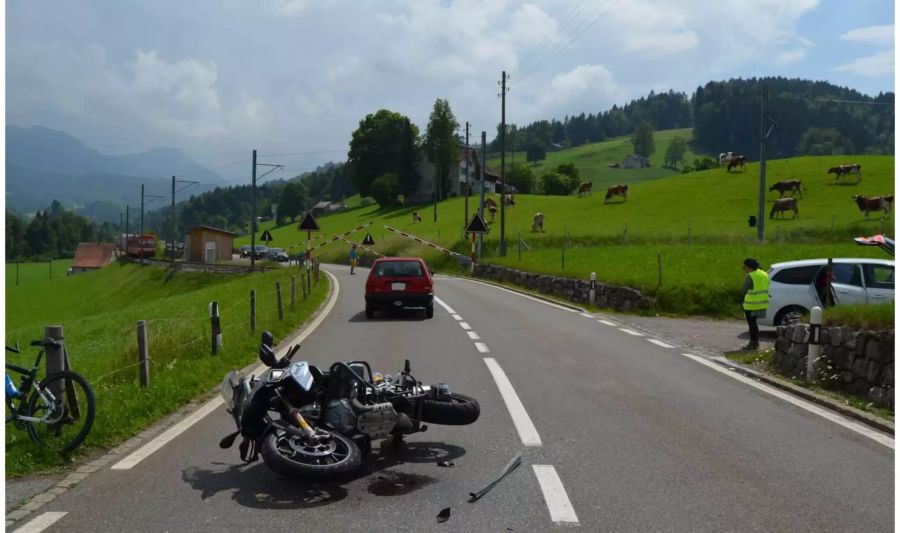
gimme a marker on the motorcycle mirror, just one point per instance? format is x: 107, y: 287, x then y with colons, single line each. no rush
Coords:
x: 267, y: 339
x: 406, y: 367
x: 227, y: 442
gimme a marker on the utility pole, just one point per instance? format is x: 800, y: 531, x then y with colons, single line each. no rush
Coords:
x: 127, y: 222
x: 503, y: 164
x: 466, y: 201
x: 174, y: 216
x: 253, y: 214
x: 481, y: 202
x: 765, y: 121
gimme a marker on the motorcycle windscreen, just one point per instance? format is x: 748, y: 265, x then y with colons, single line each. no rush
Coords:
x: 301, y: 374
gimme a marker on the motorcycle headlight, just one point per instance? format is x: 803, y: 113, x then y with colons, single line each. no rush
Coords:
x: 227, y: 388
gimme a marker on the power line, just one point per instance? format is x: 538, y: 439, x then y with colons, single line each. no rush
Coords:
x: 571, y: 15
x: 836, y: 100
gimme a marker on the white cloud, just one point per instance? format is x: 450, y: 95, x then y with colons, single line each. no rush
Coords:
x: 871, y: 34
x: 797, y: 53
x: 873, y: 66
x: 584, y: 88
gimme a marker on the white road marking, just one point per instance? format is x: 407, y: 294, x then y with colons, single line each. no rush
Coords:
x: 631, y: 332
x: 474, y: 336
x: 607, y: 322
x: 527, y: 432
x: 877, y: 436
x: 538, y: 300
x: 41, y: 522
x: 456, y: 317
x: 165, y: 437
x: 587, y: 315
x: 444, y: 305
x: 555, y: 494
x: 482, y: 347
x: 465, y: 325
x: 660, y: 343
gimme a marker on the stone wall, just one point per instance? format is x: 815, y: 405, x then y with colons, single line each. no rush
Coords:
x: 573, y: 290
x: 858, y: 362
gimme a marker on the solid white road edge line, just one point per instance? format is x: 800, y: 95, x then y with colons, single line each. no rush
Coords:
x: 538, y: 300
x: 660, y: 343
x: 165, y: 437
x: 456, y: 317
x: 607, y: 322
x: 41, y: 522
x: 877, y: 436
x: 587, y: 315
x: 482, y: 347
x: 444, y: 305
x: 555, y: 494
x: 631, y: 332
x: 474, y: 336
x: 465, y: 325
x: 527, y: 432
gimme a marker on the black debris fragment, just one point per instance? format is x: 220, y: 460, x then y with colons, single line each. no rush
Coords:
x: 444, y: 515
x: 446, y: 464
x: 510, y: 466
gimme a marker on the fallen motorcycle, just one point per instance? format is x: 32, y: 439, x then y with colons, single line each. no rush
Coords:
x: 308, y: 423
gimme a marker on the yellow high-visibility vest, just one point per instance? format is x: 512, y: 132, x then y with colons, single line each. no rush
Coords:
x: 757, y: 298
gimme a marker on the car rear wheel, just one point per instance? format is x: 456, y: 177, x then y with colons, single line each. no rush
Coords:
x: 782, y: 315
x: 429, y: 311
x: 370, y: 311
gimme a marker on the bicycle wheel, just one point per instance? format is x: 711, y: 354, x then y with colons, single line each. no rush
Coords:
x: 64, y: 424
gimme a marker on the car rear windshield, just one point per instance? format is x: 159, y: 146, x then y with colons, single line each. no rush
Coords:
x: 798, y: 275
x: 398, y: 268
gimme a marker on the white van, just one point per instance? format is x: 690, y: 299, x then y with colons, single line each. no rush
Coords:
x: 792, y: 287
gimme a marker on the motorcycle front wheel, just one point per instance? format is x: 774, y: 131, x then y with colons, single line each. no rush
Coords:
x: 290, y: 455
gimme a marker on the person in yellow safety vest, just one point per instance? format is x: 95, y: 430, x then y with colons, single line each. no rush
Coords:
x: 756, y: 299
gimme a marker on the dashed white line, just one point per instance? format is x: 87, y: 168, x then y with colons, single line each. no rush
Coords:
x: 607, y: 322
x: 631, y: 332
x: 482, y: 347
x: 465, y: 325
x: 555, y: 495
x: 527, y: 432
x: 41, y: 522
x: 660, y: 343
x: 878, y: 437
x: 474, y: 336
x: 587, y: 315
x: 444, y: 305
x: 456, y: 317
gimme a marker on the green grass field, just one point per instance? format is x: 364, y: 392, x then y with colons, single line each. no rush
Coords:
x: 36, y: 272
x: 593, y: 160
x: 99, y: 311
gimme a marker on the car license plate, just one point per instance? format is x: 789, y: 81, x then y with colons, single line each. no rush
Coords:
x: 398, y: 286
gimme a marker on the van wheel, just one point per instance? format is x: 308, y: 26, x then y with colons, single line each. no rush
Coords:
x: 782, y: 315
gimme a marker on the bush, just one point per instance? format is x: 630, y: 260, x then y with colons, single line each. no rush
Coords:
x: 569, y: 169
x: 366, y: 201
x: 557, y: 184
x: 385, y: 189
x: 522, y: 178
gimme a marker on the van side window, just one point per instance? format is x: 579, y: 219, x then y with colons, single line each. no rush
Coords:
x: 847, y: 274
x: 797, y: 275
x: 879, y: 276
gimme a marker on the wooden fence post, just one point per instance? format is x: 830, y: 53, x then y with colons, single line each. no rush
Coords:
x: 293, y: 292
x: 278, y: 298
x: 56, y: 356
x: 659, y: 269
x: 215, y: 328
x: 252, y: 311
x: 143, y: 350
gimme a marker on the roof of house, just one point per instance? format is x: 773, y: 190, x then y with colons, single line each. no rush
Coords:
x: 94, y: 254
x: 210, y: 228
x: 322, y: 205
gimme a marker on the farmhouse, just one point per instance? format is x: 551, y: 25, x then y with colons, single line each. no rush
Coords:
x: 208, y: 245
x: 92, y: 256
x: 425, y: 191
x: 326, y: 206
x: 635, y: 161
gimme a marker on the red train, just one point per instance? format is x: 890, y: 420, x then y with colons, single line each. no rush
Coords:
x: 142, y: 247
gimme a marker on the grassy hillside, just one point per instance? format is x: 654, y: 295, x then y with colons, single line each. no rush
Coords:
x: 593, y: 159
x: 99, y: 311
x: 36, y: 272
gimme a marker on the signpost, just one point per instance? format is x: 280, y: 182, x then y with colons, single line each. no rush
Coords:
x: 309, y: 225
x: 475, y: 227
x: 368, y: 241
x: 266, y: 237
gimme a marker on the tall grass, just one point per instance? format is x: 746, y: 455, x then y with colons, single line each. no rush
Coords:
x: 878, y: 316
x: 99, y: 311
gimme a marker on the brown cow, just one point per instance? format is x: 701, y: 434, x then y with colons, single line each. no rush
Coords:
x: 537, y: 223
x: 737, y: 161
x: 585, y: 187
x: 842, y: 170
x: 785, y: 204
x: 509, y: 199
x: 874, y: 203
x: 617, y: 190
x: 490, y: 202
x: 785, y: 186
x: 492, y: 209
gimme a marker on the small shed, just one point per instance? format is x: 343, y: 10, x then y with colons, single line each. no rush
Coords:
x: 92, y: 256
x: 636, y: 161
x: 206, y: 244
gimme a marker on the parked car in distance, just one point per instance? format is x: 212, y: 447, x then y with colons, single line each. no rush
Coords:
x: 260, y: 251
x: 397, y: 283
x: 277, y: 254
x: 795, y: 286
x: 245, y: 251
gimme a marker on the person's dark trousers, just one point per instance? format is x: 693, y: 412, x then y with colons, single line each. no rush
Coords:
x: 754, y: 329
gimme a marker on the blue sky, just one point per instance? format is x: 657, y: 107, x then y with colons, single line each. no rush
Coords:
x: 219, y: 78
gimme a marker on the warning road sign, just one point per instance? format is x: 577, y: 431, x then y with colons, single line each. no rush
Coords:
x: 308, y: 223
x: 368, y: 241
x: 266, y: 237
x: 476, y: 225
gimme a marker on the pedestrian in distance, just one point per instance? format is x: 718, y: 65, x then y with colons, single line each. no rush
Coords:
x: 756, y: 299
x: 354, y: 258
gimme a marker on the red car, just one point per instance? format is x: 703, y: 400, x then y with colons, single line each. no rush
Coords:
x: 397, y: 283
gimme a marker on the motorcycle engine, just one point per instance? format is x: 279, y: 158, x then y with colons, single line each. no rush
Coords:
x: 378, y: 422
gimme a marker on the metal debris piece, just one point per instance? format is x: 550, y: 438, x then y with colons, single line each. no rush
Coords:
x: 510, y: 466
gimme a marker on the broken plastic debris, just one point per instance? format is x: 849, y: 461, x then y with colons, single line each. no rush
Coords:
x: 446, y: 463
x: 510, y: 466
x: 444, y: 515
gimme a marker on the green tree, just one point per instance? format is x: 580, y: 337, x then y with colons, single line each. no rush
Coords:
x: 441, y: 144
x: 642, y: 139
x: 675, y: 152
x: 384, y: 142
x: 558, y: 184
x: 536, y: 152
x: 522, y: 178
x: 824, y: 141
x: 385, y: 189
x: 292, y: 201
x: 569, y: 169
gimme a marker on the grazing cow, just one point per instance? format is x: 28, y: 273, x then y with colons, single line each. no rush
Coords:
x: 416, y: 217
x: 585, y: 187
x: 737, y: 161
x: 725, y: 157
x: 785, y: 186
x: 509, y: 199
x: 617, y: 190
x: 492, y: 209
x: 842, y: 170
x: 490, y: 202
x: 784, y: 204
x: 537, y: 223
x: 874, y: 203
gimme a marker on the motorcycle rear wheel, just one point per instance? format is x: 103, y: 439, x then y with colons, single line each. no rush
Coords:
x: 291, y: 456
x: 450, y: 410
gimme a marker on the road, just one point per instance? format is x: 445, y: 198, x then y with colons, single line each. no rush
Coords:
x: 618, y: 433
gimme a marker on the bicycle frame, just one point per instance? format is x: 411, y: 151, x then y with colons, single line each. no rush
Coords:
x: 24, y: 390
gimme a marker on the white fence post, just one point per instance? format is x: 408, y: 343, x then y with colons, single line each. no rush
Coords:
x: 815, y: 342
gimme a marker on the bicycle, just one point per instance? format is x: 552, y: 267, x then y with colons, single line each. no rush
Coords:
x: 58, y: 412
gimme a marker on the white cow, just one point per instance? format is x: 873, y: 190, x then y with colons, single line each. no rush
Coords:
x: 537, y: 223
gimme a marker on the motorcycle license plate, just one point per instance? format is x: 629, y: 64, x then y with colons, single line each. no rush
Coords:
x: 398, y: 286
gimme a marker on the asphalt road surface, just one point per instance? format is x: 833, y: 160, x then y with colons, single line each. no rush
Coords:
x: 618, y: 431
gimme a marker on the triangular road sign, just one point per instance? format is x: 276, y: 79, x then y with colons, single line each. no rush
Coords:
x: 308, y: 223
x: 266, y: 237
x: 476, y: 225
x: 368, y: 241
